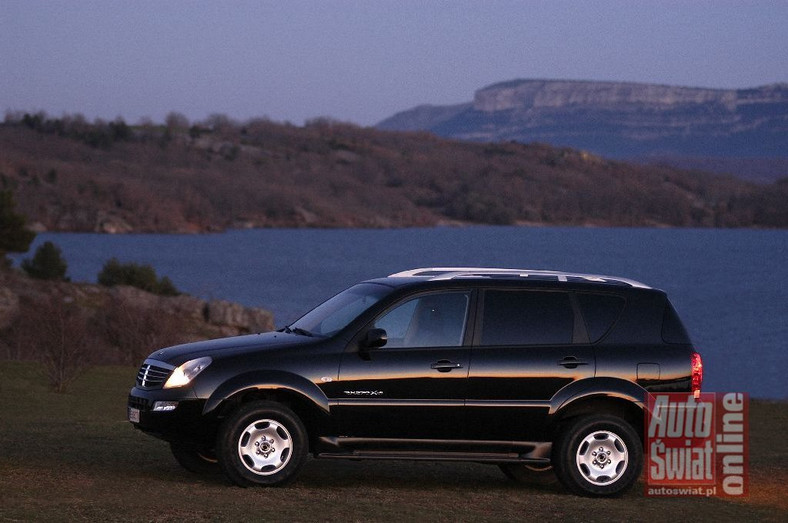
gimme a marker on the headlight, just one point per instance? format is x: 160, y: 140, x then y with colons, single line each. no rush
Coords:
x: 187, y: 372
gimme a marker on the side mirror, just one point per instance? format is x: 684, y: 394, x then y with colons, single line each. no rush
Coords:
x: 374, y: 339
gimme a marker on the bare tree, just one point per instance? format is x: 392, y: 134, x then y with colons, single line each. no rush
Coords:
x: 221, y: 124
x: 55, y: 332
x: 176, y: 122
x: 137, y: 331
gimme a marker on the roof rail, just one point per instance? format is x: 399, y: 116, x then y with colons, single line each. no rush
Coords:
x: 450, y: 273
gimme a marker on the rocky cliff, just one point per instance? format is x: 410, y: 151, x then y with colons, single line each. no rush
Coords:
x: 616, y: 119
x: 110, y: 325
x: 535, y: 94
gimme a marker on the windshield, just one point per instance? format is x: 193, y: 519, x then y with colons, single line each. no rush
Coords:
x: 335, y: 314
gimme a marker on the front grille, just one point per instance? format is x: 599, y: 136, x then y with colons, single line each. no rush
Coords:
x: 153, y: 374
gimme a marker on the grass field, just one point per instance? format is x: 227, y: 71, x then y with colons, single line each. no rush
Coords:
x: 66, y: 457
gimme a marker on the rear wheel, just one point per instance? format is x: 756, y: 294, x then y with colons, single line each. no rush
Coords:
x: 262, y: 443
x: 195, y: 459
x: 598, y: 456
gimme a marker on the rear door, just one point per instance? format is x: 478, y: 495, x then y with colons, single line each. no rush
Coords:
x: 528, y: 345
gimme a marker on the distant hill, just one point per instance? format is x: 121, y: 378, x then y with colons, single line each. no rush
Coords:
x: 68, y: 175
x: 720, y: 129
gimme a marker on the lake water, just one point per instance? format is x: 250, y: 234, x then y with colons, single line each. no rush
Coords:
x: 728, y: 285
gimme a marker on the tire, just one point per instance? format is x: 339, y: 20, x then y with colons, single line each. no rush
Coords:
x: 262, y: 443
x: 195, y: 459
x: 577, y: 462
x: 529, y: 474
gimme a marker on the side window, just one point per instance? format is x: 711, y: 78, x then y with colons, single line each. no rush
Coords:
x: 673, y: 330
x: 527, y: 318
x: 600, y: 312
x: 434, y: 320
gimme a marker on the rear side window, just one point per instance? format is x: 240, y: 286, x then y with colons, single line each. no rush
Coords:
x: 600, y: 312
x: 526, y: 318
x: 673, y: 330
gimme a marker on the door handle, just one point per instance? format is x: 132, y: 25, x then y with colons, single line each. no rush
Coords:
x: 445, y: 366
x: 570, y: 362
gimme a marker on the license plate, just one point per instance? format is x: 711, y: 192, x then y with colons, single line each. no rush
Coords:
x: 134, y: 415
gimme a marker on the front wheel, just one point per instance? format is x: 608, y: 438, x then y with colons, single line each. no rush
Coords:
x: 598, y: 456
x: 195, y: 459
x: 528, y: 474
x: 262, y: 443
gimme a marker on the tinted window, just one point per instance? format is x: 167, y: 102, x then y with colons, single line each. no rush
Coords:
x: 527, y: 318
x: 673, y: 330
x: 434, y: 320
x: 600, y: 311
x: 336, y: 313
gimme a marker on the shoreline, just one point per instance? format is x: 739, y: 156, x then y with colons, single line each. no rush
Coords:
x: 445, y: 225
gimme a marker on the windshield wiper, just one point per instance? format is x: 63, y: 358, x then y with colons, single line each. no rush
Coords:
x: 297, y: 330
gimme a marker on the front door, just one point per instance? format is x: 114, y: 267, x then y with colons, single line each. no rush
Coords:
x: 414, y: 386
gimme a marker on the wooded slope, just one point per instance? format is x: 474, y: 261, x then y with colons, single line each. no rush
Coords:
x: 68, y: 175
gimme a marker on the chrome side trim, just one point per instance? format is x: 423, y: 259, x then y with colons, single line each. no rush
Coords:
x: 382, y: 402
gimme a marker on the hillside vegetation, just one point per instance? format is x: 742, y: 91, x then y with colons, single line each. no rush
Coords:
x: 70, y: 175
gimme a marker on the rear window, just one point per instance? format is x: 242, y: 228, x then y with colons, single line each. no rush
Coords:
x: 600, y: 312
x: 526, y: 318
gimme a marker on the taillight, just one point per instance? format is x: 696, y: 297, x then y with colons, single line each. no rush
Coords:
x: 697, y: 373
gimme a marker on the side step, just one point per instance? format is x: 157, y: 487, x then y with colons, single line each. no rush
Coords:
x: 478, y: 457
x: 533, y: 452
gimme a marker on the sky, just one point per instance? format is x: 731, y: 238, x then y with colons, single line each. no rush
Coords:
x: 365, y: 60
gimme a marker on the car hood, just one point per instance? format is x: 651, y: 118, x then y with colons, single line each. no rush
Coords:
x: 224, y: 347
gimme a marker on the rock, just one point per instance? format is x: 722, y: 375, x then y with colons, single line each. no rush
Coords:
x: 616, y: 119
x: 135, y: 297
x: 222, y: 312
x: 534, y: 94
x: 231, y: 318
x: 111, y: 224
x: 304, y: 216
x: 37, y: 227
x: 184, y: 305
x: 259, y: 320
x: 125, y: 323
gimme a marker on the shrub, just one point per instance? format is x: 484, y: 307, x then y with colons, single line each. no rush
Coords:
x: 14, y: 236
x: 47, y: 263
x: 141, y: 276
x: 166, y: 287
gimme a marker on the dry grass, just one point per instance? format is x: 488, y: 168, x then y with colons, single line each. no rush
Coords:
x: 74, y: 457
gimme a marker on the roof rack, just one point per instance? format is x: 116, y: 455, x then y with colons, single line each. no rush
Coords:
x: 450, y: 273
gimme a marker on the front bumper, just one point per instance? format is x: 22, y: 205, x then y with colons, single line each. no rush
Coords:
x: 185, y: 422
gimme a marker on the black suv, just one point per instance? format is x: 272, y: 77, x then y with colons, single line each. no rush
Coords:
x: 529, y: 370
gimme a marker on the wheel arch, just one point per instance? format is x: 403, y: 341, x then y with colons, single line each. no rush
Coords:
x: 612, y: 396
x: 298, y: 394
